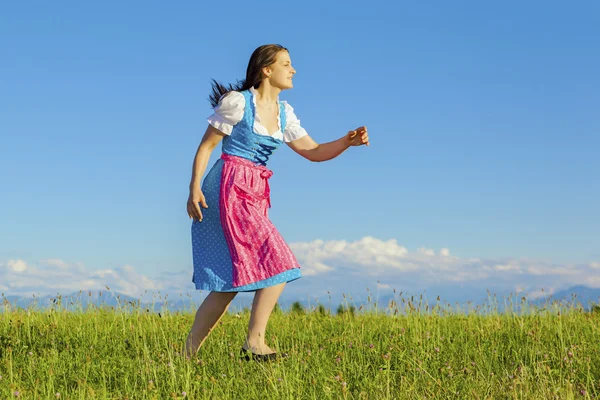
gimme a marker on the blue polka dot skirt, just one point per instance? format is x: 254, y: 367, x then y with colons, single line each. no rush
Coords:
x: 213, y: 269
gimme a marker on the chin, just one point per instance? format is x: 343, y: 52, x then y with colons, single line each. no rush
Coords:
x: 287, y: 85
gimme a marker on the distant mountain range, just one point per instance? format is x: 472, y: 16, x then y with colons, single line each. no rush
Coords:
x: 578, y: 294
x: 582, y: 296
x: 107, y: 299
x: 101, y: 298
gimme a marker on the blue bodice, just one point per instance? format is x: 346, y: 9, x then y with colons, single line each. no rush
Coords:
x: 244, y: 142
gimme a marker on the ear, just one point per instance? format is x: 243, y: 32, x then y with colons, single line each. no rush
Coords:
x: 266, y: 71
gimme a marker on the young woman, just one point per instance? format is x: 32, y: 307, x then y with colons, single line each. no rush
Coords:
x: 235, y: 246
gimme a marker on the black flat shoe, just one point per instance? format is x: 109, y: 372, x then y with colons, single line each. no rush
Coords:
x: 249, y: 355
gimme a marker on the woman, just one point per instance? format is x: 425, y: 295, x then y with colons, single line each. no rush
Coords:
x: 236, y: 248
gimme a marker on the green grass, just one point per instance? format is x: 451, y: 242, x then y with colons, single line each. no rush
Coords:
x: 407, y: 351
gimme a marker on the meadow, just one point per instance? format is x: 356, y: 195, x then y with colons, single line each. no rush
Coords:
x: 405, y: 350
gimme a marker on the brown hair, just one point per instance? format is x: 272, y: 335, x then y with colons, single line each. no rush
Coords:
x: 262, y: 57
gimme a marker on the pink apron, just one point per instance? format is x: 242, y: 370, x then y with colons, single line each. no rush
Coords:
x: 257, y: 249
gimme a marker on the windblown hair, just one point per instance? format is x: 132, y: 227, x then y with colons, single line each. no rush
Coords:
x: 262, y: 57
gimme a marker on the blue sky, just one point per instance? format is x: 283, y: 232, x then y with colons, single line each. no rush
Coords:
x: 483, y: 120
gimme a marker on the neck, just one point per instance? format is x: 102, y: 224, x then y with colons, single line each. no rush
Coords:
x: 267, y: 94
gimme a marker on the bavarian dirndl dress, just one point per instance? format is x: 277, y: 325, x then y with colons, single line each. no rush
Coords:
x: 236, y: 248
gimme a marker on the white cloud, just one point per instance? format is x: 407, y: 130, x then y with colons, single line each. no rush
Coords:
x: 427, y: 252
x: 370, y: 259
x: 17, y: 266
x: 339, y: 265
x: 551, y: 270
x: 592, y: 281
x: 314, y: 268
x: 507, y: 267
x: 56, y: 263
x: 50, y: 276
x: 104, y: 273
x: 366, y: 252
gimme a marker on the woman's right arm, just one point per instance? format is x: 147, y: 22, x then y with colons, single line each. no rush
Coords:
x: 210, y: 140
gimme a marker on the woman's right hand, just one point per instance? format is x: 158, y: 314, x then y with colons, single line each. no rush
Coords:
x: 196, y: 196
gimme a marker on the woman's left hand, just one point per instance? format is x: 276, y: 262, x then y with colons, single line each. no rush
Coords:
x: 358, y: 137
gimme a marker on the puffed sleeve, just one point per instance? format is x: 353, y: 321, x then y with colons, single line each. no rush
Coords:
x: 228, y: 112
x: 293, y: 129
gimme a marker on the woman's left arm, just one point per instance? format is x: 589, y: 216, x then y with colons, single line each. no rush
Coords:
x: 313, y: 151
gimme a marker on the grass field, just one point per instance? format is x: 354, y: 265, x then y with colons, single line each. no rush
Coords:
x: 408, y: 350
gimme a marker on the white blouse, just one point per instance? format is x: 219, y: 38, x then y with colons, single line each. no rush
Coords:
x: 230, y: 111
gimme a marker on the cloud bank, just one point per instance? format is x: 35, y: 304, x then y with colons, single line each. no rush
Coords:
x: 327, y: 266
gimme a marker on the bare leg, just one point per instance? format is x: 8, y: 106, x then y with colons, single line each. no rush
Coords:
x: 209, y: 313
x: 262, y: 306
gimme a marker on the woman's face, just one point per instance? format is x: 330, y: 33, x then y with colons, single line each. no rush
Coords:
x: 280, y: 73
